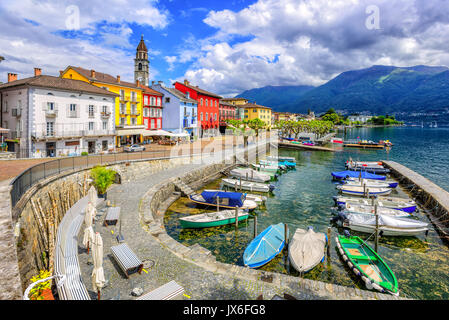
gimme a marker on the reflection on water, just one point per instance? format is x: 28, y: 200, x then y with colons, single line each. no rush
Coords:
x: 303, y: 197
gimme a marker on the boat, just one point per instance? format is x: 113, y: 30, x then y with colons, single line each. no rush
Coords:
x: 279, y: 165
x: 248, y: 185
x: 256, y: 198
x: 306, y: 249
x: 263, y: 248
x: 389, y: 226
x: 370, y: 183
x: 308, y: 143
x: 212, y: 219
x: 249, y: 174
x: 357, y: 181
x: 367, y: 264
x: 406, y: 205
x: 281, y: 158
x: 264, y: 168
x: 374, y: 168
x: 226, y: 200
x: 361, y: 191
x: 337, y: 140
x: 364, y: 144
x: 337, y: 175
x: 286, y: 164
x: 370, y: 209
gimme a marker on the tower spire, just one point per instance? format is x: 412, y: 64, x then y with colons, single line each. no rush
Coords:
x: 141, y: 64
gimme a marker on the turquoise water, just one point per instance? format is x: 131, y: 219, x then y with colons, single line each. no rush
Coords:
x: 303, y: 197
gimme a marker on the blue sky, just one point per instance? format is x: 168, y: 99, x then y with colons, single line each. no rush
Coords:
x: 223, y: 46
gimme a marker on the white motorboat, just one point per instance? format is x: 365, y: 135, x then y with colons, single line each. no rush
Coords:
x: 247, y: 185
x: 368, y: 209
x: 361, y: 191
x: 249, y: 174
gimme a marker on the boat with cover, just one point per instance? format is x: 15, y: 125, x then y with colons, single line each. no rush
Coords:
x: 281, y: 158
x: 389, y: 226
x: 337, y: 175
x: 306, y: 249
x: 369, y: 209
x: 370, y: 183
x: 249, y: 174
x: 280, y: 164
x: 226, y: 200
x: 367, y: 264
x: 248, y: 185
x: 407, y: 205
x: 361, y: 191
x: 212, y: 219
x: 357, y: 181
x: 263, y: 248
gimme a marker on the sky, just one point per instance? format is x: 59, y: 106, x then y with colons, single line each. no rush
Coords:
x: 223, y: 46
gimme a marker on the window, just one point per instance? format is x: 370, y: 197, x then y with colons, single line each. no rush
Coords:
x: 91, y: 126
x: 145, y: 100
x: 254, y: 110
x: 167, y: 100
x: 105, y: 109
x: 145, y: 112
x: 105, y: 125
x: 50, y: 106
x: 158, y: 101
x: 122, y: 94
x: 152, y: 101
x: 122, y: 108
x: 215, y: 117
x: 72, y: 107
x: 122, y: 121
x: 133, y: 96
x: 158, y: 123
x: 207, y: 103
x: 151, y: 112
x: 91, y: 111
x: 140, y: 66
x: 133, y: 121
x: 152, y: 124
x: 201, y: 102
x: 50, y: 127
x: 133, y: 109
x: 207, y: 116
x: 215, y: 103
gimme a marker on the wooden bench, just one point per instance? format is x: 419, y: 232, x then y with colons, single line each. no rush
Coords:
x: 166, y: 292
x: 126, y: 259
x: 112, y: 216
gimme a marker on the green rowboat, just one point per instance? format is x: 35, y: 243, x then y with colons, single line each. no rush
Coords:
x: 367, y: 264
x: 212, y: 219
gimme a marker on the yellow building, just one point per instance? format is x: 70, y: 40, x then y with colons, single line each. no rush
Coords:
x: 253, y: 111
x: 128, y: 105
x: 239, y: 103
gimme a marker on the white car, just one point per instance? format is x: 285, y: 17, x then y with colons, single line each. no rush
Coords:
x: 133, y: 148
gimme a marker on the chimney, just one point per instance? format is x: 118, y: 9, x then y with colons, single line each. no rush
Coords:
x: 37, y: 72
x: 92, y: 73
x: 186, y: 82
x: 12, y: 77
x: 61, y: 73
x: 118, y: 79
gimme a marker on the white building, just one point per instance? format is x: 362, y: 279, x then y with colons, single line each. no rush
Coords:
x: 52, y: 116
x: 360, y: 118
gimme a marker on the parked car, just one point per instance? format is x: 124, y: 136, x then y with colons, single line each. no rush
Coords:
x: 133, y: 148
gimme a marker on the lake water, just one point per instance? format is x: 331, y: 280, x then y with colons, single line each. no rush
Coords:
x: 303, y: 197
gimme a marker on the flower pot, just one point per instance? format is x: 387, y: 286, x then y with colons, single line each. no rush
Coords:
x: 103, y: 195
x: 47, y: 294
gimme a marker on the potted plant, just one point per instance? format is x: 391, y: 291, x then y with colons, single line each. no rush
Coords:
x: 102, y: 179
x: 42, y: 290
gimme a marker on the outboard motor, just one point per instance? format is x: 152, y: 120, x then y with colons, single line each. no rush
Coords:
x: 271, y: 187
x: 341, y: 207
x: 346, y: 233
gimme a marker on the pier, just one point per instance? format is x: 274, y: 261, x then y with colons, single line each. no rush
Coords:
x: 289, y: 145
x: 432, y: 197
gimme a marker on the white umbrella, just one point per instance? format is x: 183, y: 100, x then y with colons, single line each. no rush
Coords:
x: 98, y: 279
x: 92, y: 193
x: 88, y: 231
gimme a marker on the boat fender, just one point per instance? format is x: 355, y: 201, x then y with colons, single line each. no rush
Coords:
x: 356, y: 271
x: 377, y: 287
x: 368, y: 283
x: 346, y: 233
x: 350, y: 264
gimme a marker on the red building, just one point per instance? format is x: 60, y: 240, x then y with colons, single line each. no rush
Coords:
x: 152, y: 108
x: 226, y: 111
x: 208, y: 106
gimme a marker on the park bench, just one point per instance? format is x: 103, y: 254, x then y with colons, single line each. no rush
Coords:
x: 126, y: 259
x: 165, y: 292
x: 112, y: 216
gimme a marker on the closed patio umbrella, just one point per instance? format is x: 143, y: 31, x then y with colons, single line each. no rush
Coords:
x: 88, y: 231
x: 98, y: 279
x: 92, y: 194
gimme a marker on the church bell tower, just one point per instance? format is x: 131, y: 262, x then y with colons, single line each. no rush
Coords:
x: 142, y: 64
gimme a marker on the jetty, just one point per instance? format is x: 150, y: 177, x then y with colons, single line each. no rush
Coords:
x: 290, y: 145
x: 432, y: 197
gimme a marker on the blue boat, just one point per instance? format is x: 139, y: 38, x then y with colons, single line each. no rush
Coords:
x: 265, y: 246
x: 356, y: 174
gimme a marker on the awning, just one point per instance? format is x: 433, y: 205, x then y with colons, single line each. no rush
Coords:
x: 3, y: 130
x: 180, y: 135
x: 130, y: 132
x: 147, y: 133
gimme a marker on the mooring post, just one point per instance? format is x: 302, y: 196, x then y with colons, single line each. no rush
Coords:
x: 286, y: 235
x: 236, y: 217
x: 377, y: 227
x: 218, y: 203
x: 235, y: 186
x: 329, y: 240
x: 364, y: 190
x: 241, y: 183
x: 255, y: 225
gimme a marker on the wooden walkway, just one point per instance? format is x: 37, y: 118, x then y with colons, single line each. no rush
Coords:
x: 304, y: 147
x: 431, y: 195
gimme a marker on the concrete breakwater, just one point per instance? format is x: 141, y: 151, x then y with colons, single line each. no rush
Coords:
x: 431, y: 196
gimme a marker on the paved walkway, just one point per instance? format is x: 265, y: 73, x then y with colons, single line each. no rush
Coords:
x: 198, y: 283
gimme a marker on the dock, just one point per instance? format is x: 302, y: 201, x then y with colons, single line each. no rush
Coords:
x: 432, y: 197
x: 290, y: 145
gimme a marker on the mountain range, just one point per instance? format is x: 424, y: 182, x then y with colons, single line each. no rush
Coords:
x: 377, y: 90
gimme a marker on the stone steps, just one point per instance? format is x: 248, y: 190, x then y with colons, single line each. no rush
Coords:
x: 185, y: 189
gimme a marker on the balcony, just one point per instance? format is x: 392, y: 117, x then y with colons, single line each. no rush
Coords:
x: 124, y: 98
x: 51, y: 113
x: 105, y: 114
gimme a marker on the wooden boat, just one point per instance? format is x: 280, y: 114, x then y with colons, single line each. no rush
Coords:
x: 264, y: 168
x: 222, y: 199
x: 212, y: 219
x: 386, y: 183
x: 281, y: 158
x: 369, y: 209
x: 390, y: 226
x: 361, y: 191
x: 306, y: 249
x: 406, y: 205
x: 263, y: 248
x: 248, y: 185
x: 370, y: 183
x: 249, y: 174
x: 367, y: 264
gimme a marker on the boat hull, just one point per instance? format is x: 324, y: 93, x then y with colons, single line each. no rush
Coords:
x: 386, y: 231
x: 196, y: 225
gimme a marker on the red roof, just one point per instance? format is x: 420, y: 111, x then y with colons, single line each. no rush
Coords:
x: 202, y: 91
